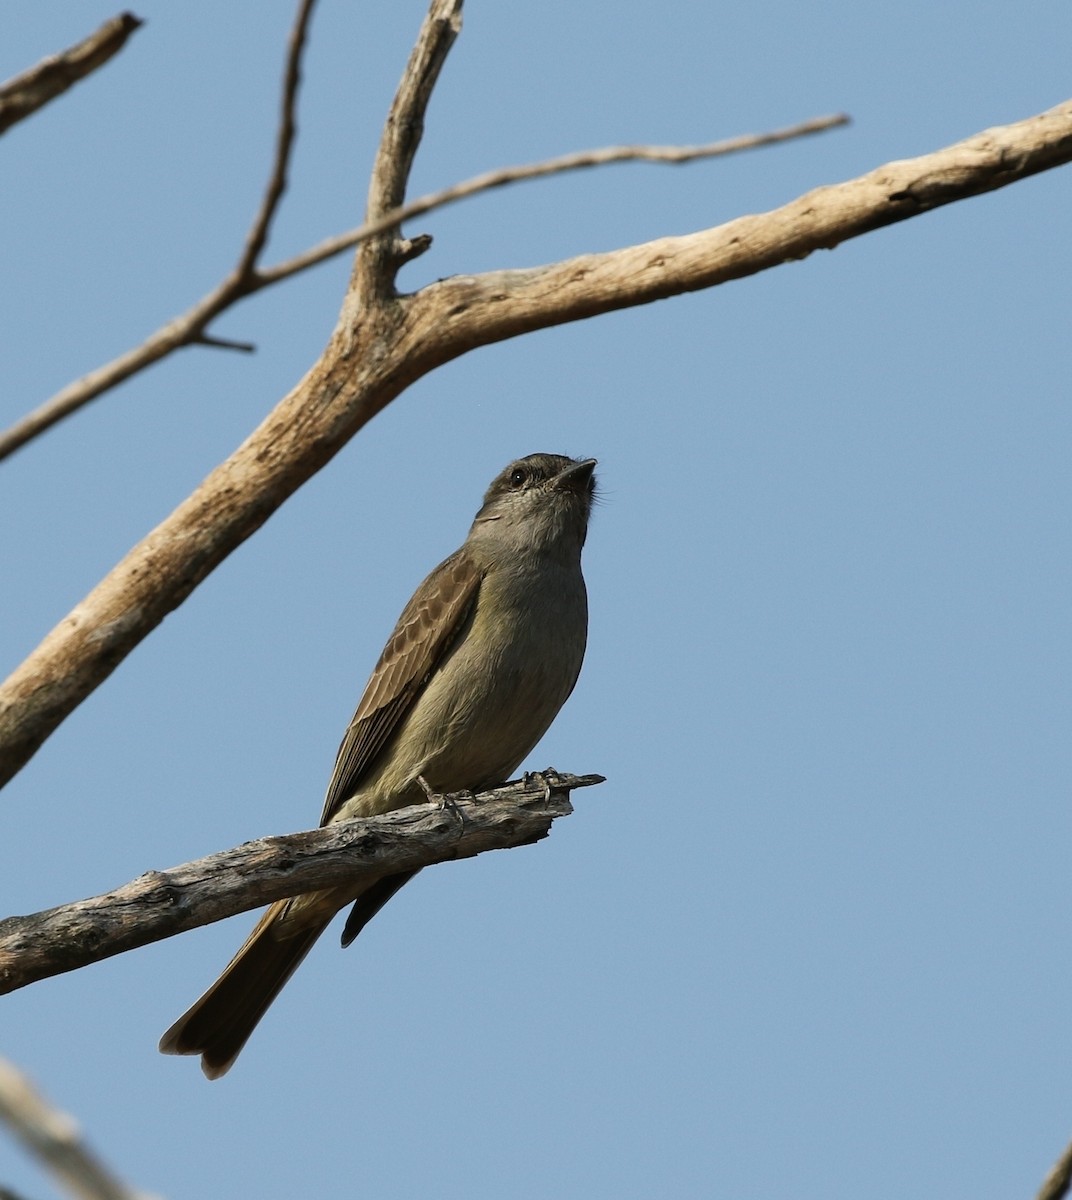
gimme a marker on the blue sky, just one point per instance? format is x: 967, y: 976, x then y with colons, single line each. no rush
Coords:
x: 810, y: 936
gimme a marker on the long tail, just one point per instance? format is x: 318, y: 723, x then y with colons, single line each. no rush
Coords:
x: 219, y: 1024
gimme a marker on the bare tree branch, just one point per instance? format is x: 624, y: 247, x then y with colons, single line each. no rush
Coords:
x: 378, y: 260
x: 55, y: 1140
x: 575, y: 161
x: 1058, y: 1182
x: 288, y: 129
x: 26, y: 93
x: 161, y: 904
x: 378, y: 351
x: 379, y: 348
x: 188, y: 329
x: 218, y: 343
x: 183, y: 330
x: 486, y: 308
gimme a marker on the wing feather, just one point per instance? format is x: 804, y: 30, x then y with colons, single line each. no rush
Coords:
x: 428, y: 626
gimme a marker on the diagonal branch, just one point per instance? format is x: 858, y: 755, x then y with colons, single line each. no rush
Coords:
x: 55, y: 1140
x: 379, y: 351
x: 378, y: 261
x: 1058, y: 1182
x: 189, y: 328
x: 564, y: 163
x: 26, y: 93
x: 161, y: 904
x: 487, y: 308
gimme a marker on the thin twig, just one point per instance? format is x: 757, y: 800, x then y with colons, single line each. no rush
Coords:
x: 26, y: 93
x: 288, y: 128
x: 55, y: 1140
x: 161, y: 904
x: 188, y: 328
x: 1058, y: 1182
x: 219, y: 343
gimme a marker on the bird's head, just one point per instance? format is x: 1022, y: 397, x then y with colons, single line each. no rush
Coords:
x: 540, y: 502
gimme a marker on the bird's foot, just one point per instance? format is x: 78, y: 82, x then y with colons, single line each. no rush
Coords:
x: 444, y: 801
x: 549, y: 777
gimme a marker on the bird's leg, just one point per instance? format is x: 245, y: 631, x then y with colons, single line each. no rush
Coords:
x: 444, y: 801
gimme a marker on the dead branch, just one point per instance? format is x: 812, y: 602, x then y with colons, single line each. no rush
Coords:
x: 503, y: 176
x: 180, y: 330
x: 188, y: 329
x: 161, y: 904
x: 382, y: 346
x: 378, y: 258
x: 284, y: 144
x: 26, y: 93
x: 1058, y: 1182
x: 55, y: 1140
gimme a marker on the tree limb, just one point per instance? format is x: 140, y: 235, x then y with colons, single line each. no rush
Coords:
x: 161, y: 904
x: 454, y: 315
x: 288, y: 129
x: 188, y: 329
x: 378, y: 349
x: 1058, y: 1182
x: 378, y: 259
x: 183, y: 330
x: 55, y: 1140
x: 26, y: 93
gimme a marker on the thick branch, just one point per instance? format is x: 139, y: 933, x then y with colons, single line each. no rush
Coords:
x: 465, y: 311
x: 189, y: 328
x: 26, y: 93
x: 379, y: 350
x: 160, y: 904
x: 56, y: 1141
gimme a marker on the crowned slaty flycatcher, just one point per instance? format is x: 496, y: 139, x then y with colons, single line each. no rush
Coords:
x: 480, y: 662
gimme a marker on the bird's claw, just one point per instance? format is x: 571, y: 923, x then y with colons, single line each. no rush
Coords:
x: 549, y: 777
x: 445, y: 801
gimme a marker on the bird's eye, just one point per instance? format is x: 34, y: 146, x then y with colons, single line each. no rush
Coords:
x: 518, y: 477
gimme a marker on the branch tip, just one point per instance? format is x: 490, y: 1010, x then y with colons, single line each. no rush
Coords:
x: 219, y: 343
x: 24, y: 94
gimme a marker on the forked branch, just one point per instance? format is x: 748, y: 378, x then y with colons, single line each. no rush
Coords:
x: 382, y: 346
x: 188, y: 328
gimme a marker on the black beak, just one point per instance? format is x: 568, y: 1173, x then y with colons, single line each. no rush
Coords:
x: 576, y: 478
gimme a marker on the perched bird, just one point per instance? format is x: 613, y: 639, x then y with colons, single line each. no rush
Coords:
x: 480, y: 662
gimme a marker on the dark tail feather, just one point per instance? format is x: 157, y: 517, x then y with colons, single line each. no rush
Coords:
x: 219, y: 1024
x: 371, y: 900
